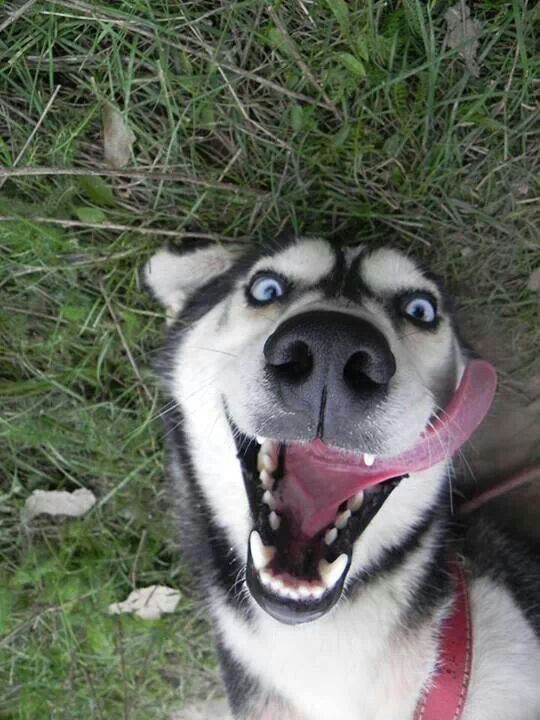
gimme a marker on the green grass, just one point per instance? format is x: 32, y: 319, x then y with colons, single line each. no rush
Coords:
x: 348, y: 117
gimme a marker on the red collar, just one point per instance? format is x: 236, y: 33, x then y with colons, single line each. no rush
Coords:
x: 445, y: 697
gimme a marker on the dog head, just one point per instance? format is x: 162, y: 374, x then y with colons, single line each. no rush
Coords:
x: 323, y: 391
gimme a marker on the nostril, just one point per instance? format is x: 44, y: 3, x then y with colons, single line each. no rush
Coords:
x: 295, y: 361
x: 356, y: 372
x: 365, y: 371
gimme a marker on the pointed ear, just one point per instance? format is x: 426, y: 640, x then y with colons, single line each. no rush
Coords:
x: 172, y: 277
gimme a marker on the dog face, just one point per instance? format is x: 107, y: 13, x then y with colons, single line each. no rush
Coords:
x: 307, y: 377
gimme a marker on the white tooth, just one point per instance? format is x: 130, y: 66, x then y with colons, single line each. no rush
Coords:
x: 275, y: 521
x: 269, y: 462
x: 265, y: 577
x: 331, y: 572
x: 369, y: 459
x: 267, y: 447
x: 304, y: 591
x: 266, y: 461
x: 269, y: 500
x: 291, y: 593
x: 317, y: 591
x: 267, y: 481
x: 330, y: 536
x: 355, y: 503
x: 260, y: 439
x: 261, y: 554
x: 342, y: 519
x: 277, y: 585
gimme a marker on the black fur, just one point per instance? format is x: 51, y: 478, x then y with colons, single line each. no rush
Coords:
x: 206, y: 548
x: 504, y: 557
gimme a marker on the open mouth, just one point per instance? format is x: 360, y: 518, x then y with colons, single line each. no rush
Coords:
x: 297, y: 574
x: 310, y: 503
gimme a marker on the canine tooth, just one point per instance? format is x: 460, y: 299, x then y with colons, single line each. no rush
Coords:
x: 330, y: 536
x: 260, y: 439
x: 342, y: 519
x: 331, y: 572
x: 274, y: 520
x: 267, y: 481
x: 269, y: 500
x: 261, y: 554
x: 265, y: 577
x: 369, y: 459
x: 355, y: 503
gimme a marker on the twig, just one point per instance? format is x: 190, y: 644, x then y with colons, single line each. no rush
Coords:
x: 34, y: 131
x: 16, y: 14
x: 125, y: 172
x: 124, y: 342
x: 301, y: 64
x: 181, y: 234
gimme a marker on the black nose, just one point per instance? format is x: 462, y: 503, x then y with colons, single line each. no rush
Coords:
x: 320, y: 353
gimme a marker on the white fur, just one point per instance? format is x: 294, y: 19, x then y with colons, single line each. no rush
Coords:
x: 356, y: 663
x: 388, y: 271
x: 505, y: 678
x: 172, y: 277
x: 310, y: 259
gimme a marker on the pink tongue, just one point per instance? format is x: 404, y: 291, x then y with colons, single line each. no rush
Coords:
x: 319, y: 478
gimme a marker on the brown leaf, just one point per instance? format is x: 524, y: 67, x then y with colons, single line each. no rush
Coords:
x: 148, y: 603
x: 534, y: 280
x: 462, y: 34
x: 59, y: 502
x: 117, y: 137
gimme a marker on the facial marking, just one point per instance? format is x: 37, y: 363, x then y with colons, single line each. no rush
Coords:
x: 306, y: 262
x: 386, y: 271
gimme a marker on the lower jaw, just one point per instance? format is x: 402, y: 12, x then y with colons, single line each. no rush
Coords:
x: 291, y: 612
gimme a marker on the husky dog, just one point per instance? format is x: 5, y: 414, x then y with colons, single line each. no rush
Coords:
x: 316, y: 397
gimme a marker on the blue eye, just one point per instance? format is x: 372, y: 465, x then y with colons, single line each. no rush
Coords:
x: 265, y: 288
x: 420, y: 308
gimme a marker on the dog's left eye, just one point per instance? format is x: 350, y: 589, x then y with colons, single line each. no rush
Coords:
x: 265, y: 288
x: 420, y: 308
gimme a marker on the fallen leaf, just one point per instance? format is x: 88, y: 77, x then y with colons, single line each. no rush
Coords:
x: 534, y: 280
x: 117, y: 137
x: 59, y: 502
x: 90, y: 214
x: 462, y: 34
x: 148, y: 603
x: 97, y: 190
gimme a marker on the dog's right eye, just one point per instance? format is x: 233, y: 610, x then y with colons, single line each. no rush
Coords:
x: 264, y: 288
